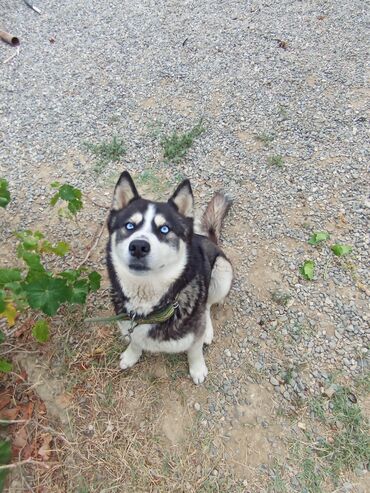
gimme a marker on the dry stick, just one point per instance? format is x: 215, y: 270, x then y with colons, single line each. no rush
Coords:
x: 9, y: 38
x: 12, y: 421
x: 93, y: 247
x: 22, y: 462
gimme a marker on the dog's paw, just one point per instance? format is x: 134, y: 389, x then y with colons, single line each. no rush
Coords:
x: 128, y: 358
x: 208, y: 336
x: 198, y: 372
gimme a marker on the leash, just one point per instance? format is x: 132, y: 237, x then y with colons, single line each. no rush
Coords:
x: 157, y: 317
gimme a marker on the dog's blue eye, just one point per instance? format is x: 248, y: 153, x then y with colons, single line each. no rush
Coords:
x: 130, y: 226
x: 164, y: 230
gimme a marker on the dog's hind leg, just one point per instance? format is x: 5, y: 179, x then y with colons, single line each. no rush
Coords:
x: 221, y: 279
x: 197, y: 366
x: 130, y: 356
x: 208, y: 333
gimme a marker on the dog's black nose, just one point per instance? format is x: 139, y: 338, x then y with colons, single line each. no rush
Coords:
x: 139, y: 248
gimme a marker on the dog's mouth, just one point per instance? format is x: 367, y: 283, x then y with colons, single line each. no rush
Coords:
x: 138, y: 267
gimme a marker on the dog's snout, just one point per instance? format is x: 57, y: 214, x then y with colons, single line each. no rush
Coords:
x: 139, y: 248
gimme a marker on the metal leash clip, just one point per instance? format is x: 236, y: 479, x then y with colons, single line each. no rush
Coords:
x: 133, y: 324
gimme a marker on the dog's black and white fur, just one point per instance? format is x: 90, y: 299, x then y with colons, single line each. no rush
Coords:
x: 153, y: 258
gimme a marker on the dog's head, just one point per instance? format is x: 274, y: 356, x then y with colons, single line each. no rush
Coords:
x: 148, y: 237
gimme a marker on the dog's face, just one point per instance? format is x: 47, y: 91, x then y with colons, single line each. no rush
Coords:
x: 150, y: 237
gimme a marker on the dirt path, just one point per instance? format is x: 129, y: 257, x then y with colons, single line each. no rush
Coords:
x: 281, y: 87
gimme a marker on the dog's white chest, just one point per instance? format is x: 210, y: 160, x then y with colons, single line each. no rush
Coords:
x: 140, y: 337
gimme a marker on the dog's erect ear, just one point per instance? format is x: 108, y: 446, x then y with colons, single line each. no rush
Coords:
x: 183, y: 199
x: 124, y: 192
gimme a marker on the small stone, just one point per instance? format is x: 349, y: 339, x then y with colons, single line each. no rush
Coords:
x: 227, y: 353
x: 197, y: 406
x: 273, y: 381
x: 330, y: 391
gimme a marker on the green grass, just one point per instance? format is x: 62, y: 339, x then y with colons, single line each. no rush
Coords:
x: 106, y: 152
x: 317, y: 407
x: 311, y: 476
x: 177, y: 145
x: 265, y: 138
x: 152, y: 182
x: 349, y: 446
x: 276, y: 161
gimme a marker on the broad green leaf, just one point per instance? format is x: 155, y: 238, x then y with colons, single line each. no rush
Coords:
x: 54, y: 199
x: 40, y: 331
x: 318, y: 237
x: 33, y: 261
x: 5, y: 452
x: 74, y: 206
x: 9, y: 275
x: 340, y: 250
x: 61, y: 248
x: 79, y: 292
x: 55, y: 184
x: 30, y: 239
x: 94, y: 278
x: 5, y: 366
x: 4, y: 193
x: 307, y: 269
x: 2, y: 301
x: 2, y: 336
x: 70, y: 274
x: 68, y: 193
x: 10, y: 313
x: 47, y: 294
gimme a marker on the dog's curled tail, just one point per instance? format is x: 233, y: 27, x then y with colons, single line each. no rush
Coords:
x: 214, y: 215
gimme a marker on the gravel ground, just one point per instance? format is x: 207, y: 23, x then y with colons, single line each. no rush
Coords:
x: 270, y: 79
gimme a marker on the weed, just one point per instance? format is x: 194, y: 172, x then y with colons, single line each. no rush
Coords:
x: 317, y: 407
x: 311, y: 477
x: 106, y: 152
x: 152, y: 182
x: 350, y: 445
x: 265, y: 138
x: 276, y: 160
x: 176, y: 146
x: 281, y: 297
x: 283, y: 112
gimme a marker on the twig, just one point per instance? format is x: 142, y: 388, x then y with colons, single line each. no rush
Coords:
x: 93, y: 247
x: 31, y: 6
x: 16, y: 53
x: 22, y: 462
x: 97, y: 204
x: 12, y: 421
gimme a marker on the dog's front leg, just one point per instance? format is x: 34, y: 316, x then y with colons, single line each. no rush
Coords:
x: 130, y: 356
x: 197, y: 366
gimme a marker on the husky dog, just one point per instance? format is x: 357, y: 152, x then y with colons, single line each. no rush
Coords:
x: 160, y: 268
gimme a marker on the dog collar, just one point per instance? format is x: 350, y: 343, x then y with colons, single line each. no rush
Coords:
x: 156, y: 317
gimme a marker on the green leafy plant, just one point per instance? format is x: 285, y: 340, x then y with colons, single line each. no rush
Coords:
x: 107, y: 152
x: 69, y: 194
x: 4, y: 193
x: 5, y: 456
x: 307, y: 269
x: 276, y: 161
x: 36, y: 287
x: 340, y: 250
x: 177, y: 145
x: 265, y: 138
x: 318, y: 237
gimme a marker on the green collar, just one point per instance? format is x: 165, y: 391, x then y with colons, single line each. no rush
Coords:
x: 157, y: 317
